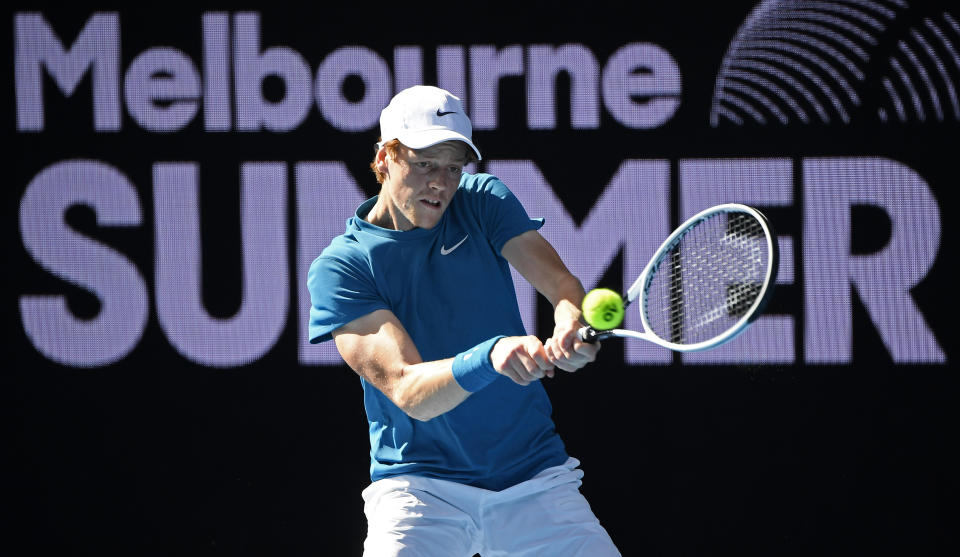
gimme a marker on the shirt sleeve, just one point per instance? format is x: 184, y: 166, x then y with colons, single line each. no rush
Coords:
x: 504, y: 215
x: 340, y: 291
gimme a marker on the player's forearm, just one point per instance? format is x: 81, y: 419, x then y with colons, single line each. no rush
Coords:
x: 566, y: 298
x: 428, y: 389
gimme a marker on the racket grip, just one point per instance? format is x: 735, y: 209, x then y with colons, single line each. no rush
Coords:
x: 588, y: 335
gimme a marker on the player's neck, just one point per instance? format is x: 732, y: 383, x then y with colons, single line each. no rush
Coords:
x: 380, y: 215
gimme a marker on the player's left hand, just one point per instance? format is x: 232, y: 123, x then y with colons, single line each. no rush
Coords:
x: 565, y: 349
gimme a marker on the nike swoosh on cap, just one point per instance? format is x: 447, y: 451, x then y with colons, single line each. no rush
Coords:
x: 445, y: 113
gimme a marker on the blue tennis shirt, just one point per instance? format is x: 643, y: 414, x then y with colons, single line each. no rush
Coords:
x: 451, y: 289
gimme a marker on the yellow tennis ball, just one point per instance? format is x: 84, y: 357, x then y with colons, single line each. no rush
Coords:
x: 602, y: 308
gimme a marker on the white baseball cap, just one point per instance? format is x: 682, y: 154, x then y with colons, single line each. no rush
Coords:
x: 423, y: 116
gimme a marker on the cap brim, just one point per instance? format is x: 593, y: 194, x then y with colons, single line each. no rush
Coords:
x: 421, y: 139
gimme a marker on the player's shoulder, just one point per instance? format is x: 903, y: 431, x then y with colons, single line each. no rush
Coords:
x: 481, y: 184
x: 343, y: 249
x: 342, y: 262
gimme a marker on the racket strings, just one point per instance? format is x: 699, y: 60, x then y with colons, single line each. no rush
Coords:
x: 708, y: 280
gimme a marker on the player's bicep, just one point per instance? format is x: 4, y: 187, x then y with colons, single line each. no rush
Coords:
x: 378, y: 348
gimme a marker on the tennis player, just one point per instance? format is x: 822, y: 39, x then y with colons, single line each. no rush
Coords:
x: 418, y: 297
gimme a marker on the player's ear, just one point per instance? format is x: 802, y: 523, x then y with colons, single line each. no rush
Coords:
x: 381, y: 160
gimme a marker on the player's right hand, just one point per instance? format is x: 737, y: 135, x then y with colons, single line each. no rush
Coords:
x: 522, y: 359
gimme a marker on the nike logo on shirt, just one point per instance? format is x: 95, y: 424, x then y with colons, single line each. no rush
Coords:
x: 445, y: 251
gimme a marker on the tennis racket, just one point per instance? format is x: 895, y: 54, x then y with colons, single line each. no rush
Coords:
x: 706, y: 283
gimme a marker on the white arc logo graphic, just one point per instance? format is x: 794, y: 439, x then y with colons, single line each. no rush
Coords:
x: 445, y: 251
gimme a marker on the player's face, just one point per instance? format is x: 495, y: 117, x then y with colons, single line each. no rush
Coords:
x: 419, y: 184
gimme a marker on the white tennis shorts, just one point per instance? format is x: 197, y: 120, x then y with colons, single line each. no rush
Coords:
x: 546, y: 515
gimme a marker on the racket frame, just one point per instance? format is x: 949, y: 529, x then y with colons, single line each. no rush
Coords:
x: 639, y: 287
